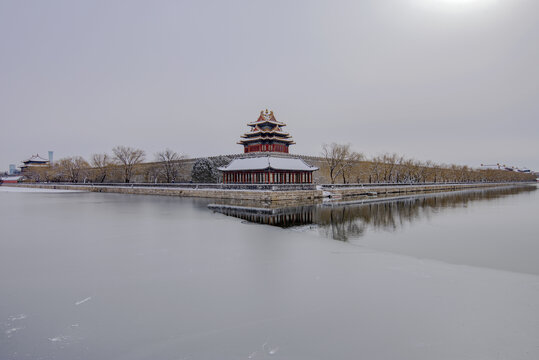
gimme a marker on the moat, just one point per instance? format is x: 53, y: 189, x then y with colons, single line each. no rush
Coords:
x: 100, y: 276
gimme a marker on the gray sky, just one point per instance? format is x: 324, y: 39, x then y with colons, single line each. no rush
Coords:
x: 453, y: 81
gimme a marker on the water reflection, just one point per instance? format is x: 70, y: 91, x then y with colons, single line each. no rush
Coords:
x: 350, y: 219
x: 282, y: 217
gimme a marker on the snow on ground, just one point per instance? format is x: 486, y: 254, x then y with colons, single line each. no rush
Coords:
x: 34, y: 190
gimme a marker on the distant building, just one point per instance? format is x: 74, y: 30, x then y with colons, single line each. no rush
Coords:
x: 12, y: 169
x: 35, y: 161
x: 11, y: 179
x: 267, y: 138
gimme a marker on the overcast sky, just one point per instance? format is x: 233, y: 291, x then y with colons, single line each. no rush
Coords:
x: 453, y: 81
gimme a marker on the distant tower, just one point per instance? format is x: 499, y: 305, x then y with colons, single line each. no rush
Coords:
x: 266, y: 135
x: 267, y: 140
x: 12, y: 169
x: 50, y: 158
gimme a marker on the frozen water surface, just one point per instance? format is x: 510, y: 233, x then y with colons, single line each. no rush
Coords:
x: 109, y: 276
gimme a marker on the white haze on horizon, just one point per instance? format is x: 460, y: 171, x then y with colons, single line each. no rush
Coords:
x: 451, y: 81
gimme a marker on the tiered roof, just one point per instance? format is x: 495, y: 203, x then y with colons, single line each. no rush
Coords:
x: 35, y: 159
x: 266, y: 129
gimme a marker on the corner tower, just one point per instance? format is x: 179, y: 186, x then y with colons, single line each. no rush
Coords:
x: 266, y: 135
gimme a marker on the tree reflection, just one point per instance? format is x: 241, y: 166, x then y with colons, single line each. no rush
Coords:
x: 347, y: 221
x: 350, y: 219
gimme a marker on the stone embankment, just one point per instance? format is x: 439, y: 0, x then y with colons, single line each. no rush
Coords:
x: 264, y: 192
x: 275, y: 193
x: 388, y: 189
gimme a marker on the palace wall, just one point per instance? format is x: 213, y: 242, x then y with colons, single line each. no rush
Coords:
x: 186, y: 166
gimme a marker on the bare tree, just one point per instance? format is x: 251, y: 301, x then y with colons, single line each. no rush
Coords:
x: 101, y: 166
x: 352, y: 160
x: 151, y: 173
x: 339, y: 159
x: 72, y: 168
x: 128, y: 158
x: 41, y: 173
x: 375, y: 169
x: 169, y: 164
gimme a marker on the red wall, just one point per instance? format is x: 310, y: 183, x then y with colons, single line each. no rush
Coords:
x: 266, y: 147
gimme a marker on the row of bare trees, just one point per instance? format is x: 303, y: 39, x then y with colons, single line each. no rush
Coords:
x: 123, y: 165
x: 343, y: 165
x: 339, y: 164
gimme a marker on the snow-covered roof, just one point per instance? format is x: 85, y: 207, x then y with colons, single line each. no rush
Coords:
x: 273, y: 139
x: 36, y: 158
x: 263, y: 121
x: 10, y: 178
x: 268, y: 162
x: 266, y: 117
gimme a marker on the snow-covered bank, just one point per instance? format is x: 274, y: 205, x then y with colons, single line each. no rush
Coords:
x: 20, y: 189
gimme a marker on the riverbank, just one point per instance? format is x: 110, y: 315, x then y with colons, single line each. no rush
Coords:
x: 263, y: 192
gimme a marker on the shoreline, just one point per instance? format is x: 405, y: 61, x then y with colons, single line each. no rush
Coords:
x: 269, y: 195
